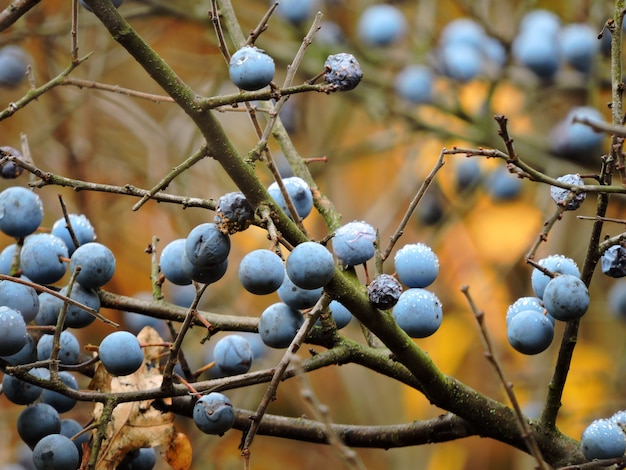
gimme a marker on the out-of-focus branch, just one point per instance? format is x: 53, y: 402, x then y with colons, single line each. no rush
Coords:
x: 15, y: 11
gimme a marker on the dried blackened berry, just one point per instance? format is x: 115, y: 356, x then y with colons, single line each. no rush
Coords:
x: 233, y: 213
x: 384, y: 291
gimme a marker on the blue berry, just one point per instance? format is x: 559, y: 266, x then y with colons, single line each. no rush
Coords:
x: 297, y: 297
x: 121, y: 353
x: 530, y: 332
x: 614, y: 261
x: 526, y: 303
x: 36, y: 422
x: 26, y: 355
x: 21, y: 211
x: 13, y: 334
x: 414, y: 83
x: 171, y: 262
x: 300, y: 193
x: 541, y: 22
x: 116, y: 4
x: 19, y: 297
x: 206, y: 246
x: 205, y: 274
x: 251, y: 68
x: 233, y: 355
x: 574, y: 139
x: 384, y: 291
x: 557, y: 264
x: 467, y: 173
x: 560, y: 195
x: 381, y: 25
x: 340, y: 314
x: 233, y: 212
x: 76, y: 317
x: 537, y: 53
x: 261, y: 272
x: 10, y: 169
x: 214, y: 414
x: 57, y: 400
x: 354, y: 243
x: 21, y: 392
x: 503, y: 185
x: 69, y: 352
x: 42, y: 258
x: 138, y: 459
x: 418, y: 312
x: 603, y: 439
x: 310, y: 265
x: 183, y: 296
x: 416, y: 265
x: 81, y: 226
x: 56, y: 452
x: 463, y: 31
x: 6, y: 259
x: 461, y: 62
x: 579, y: 46
x: 97, y: 264
x: 14, y: 63
x: 70, y: 428
x: 566, y: 297
x: 296, y: 11
x: 279, y: 324
x: 343, y: 71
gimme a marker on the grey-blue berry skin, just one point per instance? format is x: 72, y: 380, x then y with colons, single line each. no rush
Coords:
x: 297, y: 297
x: 354, y: 243
x: 206, y: 245
x: 381, y: 25
x: 81, y: 226
x: 560, y: 195
x: 613, y: 261
x: 26, y: 355
x: 261, y: 272
x: 121, y: 353
x: 416, y: 265
x: 299, y: 192
x: 343, y: 71
x: 14, y: 63
x: 21, y: 211
x: 206, y: 274
x: 9, y: 169
x: 566, y: 297
x: 418, y: 312
x: 414, y: 84
x: 69, y: 352
x: 58, y: 401
x: 19, y: 297
x: 527, y: 303
x: 77, y: 317
x: 43, y: 258
x: 6, y: 258
x: 279, y: 324
x: 251, y: 68
x: 296, y: 11
x: 13, y: 334
x: 233, y: 213
x: 530, y: 332
x: 171, y: 262
x: 70, y: 428
x: 617, y: 299
x: 56, y: 452
x: 233, y: 355
x: 340, y: 314
x: 557, y: 264
x: 138, y: 459
x: 603, y: 439
x: 97, y: 265
x: 37, y: 421
x: 21, y: 392
x: 214, y: 414
x: 310, y: 265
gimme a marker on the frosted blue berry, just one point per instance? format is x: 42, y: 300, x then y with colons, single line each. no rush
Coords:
x: 97, y: 264
x: 205, y: 274
x: 6, y: 259
x: 354, y: 243
x: 121, y: 353
x: 21, y: 392
x: 251, y: 68
x: 81, y: 226
x: 300, y: 193
x: 26, y: 355
x: 560, y: 195
x: 19, y: 297
x: 57, y: 400
x: 557, y: 264
x: 297, y: 297
x: 381, y: 25
x: 206, y: 246
x: 343, y: 71
x: 214, y: 414
x: 21, y: 211
x: 526, y: 303
x: 69, y: 352
x: 603, y: 439
x: 310, y: 265
x: 171, y: 262
x: 233, y: 355
x: 613, y: 261
x: 530, y: 332
x: 43, y: 258
x: 340, y: 314
x: 13, y: 334
x: 76, y: 317
x: 279, y: 324
x: 55, y: 452
x: 261, y: 272
x: 416, y: 265
x: 418, y: 312
x: 566, y: 297
x: 36, y: 422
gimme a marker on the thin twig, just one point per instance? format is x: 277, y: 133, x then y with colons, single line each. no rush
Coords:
x: 15, y: 11
x: 82, y: 83
x: 490, y: 354
x: 543, y: 235
x: 262, y: 26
